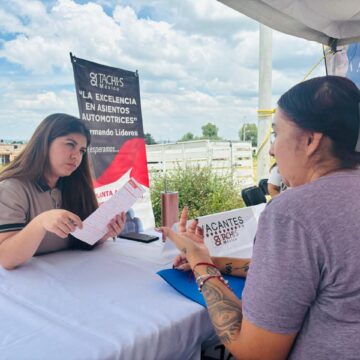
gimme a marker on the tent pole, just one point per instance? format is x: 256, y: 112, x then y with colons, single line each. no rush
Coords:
x: 265, y: 101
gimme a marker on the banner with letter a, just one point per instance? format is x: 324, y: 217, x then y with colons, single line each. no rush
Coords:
x: 109, y: 104
x: 345, y: 61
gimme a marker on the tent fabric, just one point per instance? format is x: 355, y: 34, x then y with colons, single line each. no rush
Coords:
x: 320, y: 20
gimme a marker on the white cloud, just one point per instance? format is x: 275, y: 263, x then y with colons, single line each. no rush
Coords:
x: 32, y: 10
x: 197, y: 60
x: 47, y: 100
x: 10, y: 23
x: 22, y: 111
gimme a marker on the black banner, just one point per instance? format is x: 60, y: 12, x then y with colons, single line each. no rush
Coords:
x: 109, y: 102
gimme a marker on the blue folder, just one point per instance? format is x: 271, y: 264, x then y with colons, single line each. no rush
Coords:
x: 184, y: 283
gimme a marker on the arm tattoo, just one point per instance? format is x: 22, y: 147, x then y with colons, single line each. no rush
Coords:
x: 225, y: 313
x: 209, y: 270
x: 229, y: 268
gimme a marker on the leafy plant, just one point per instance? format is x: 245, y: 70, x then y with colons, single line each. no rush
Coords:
x: 199, y: 188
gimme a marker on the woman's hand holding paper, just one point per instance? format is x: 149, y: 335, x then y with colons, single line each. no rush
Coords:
x: 115, y: 227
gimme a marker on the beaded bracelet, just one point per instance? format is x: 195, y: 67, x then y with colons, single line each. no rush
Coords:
x: 201, y: 282
x: 200, y: 278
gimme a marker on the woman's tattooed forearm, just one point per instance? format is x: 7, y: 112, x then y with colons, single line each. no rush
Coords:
x: 225, y: 313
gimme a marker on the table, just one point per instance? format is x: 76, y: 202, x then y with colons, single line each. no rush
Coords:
x: 102, y: 304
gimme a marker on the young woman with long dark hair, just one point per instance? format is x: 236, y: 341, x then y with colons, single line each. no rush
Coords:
x: 47, y: 191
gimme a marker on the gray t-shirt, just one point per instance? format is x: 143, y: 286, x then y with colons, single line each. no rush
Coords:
x: 305, y: 272
x: 21, y: 201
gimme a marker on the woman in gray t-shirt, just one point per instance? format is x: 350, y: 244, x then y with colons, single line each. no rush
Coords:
x: 47, y: 191
x: 302, y: 293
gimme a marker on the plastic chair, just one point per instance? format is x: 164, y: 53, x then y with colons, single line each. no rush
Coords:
x: 253, y: 195
x: 263, y: 185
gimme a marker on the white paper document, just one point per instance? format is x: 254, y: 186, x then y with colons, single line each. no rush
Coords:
x: 95, y: 225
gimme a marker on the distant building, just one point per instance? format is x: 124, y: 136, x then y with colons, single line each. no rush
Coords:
x: 8, y: 152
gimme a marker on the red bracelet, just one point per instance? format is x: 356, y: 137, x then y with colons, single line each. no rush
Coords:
x: 204, y: 263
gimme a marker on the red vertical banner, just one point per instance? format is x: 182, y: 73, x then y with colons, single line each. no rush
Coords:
x: 109, y: 104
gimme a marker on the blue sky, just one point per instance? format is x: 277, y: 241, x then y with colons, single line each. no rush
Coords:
x: 197, y: 61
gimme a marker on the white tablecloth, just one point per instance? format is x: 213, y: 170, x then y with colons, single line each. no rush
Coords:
x: 103, y: 304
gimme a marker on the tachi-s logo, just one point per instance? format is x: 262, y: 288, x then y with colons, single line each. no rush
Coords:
x: 93, y: 79
x: 105, y: 81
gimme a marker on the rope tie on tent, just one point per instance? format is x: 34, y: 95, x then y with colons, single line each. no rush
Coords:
x: 264, y: 142
x: 317, y: 64
x: 265, y: 113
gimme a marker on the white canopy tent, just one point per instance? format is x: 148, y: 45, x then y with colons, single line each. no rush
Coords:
x: 329, y: 22
x: 316, y: 20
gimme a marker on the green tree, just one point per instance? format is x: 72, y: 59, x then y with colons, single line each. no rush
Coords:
x: 188, y: 136
x: 149, y: 140
x: 248, y: 132
x: 210, y: 131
